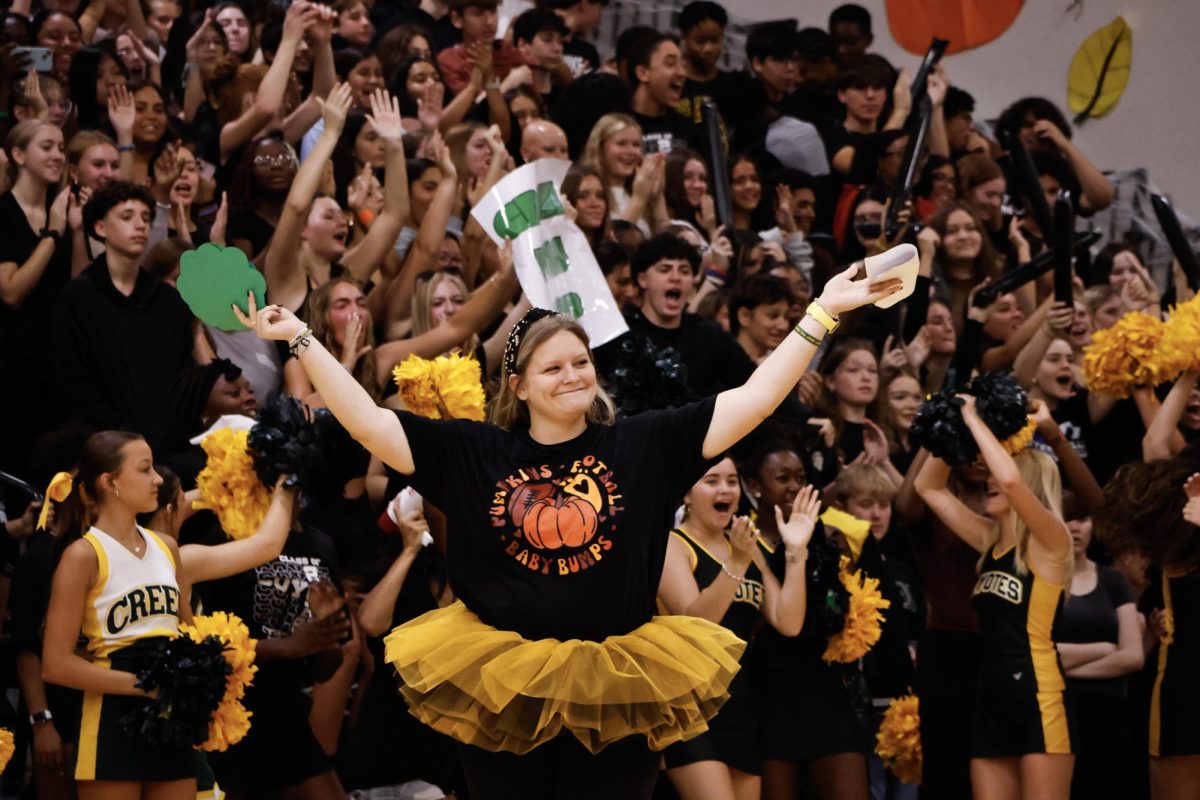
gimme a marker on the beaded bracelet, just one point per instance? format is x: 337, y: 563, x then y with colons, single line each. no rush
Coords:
x: 738, y: 578
x: 300, y: 341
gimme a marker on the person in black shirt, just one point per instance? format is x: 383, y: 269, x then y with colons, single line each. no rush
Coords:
x: 663, y: 267
x: 35, y: 263
x: 702, y: 26
x: 655, y: 71
x: 581, y: 17
x: 850, y: 27
x: 120, y: 336
x: 557, y: 519
x: 539, y: 36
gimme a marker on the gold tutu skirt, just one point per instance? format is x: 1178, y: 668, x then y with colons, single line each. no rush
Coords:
x: 496, y: 690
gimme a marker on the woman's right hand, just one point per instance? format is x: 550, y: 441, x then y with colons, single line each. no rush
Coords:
x: 1059, y: 320
x: 352, y: 351
x: 272, y: 322
x: 928, y: 241
x: 335, y: 107
x: 980, y: 314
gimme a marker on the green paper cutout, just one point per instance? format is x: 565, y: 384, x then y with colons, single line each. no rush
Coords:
x: 212, y: 279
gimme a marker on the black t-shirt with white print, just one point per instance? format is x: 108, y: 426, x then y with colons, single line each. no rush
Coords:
x: 562, y: 541
x: 670, y: 132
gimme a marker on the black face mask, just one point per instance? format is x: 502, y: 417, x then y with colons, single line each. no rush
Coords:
x: 869, y: 231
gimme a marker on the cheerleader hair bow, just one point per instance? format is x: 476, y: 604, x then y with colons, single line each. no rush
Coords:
x: 58, y: 490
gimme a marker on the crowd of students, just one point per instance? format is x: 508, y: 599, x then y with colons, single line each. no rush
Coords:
x: 341, y: 148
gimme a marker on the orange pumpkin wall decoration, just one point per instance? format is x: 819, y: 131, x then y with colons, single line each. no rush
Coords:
x: 966, y: 24
x: 560, y: 522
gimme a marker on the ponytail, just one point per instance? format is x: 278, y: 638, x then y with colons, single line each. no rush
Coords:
x: 103, y: 452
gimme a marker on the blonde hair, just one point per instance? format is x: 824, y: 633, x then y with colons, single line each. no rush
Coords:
x: 422, y: 305
x: 19, y: 138
x: 82, y: 142
x: 863, y: 479
x: 507, y: 409
x: 592, y: 156
x: 319, y: 304
x: 1040, y: 475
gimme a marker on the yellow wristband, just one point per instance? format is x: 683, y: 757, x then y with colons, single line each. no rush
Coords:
x: 818, y: 312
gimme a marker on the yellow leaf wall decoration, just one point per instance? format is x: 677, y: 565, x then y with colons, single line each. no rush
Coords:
x: 1100, y: 70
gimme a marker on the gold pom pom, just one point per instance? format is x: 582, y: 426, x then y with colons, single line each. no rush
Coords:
x: 862, y: 626
x: 7, y: 747
x: 229, y: 485
x: 231, y: 721
x: 898, y: 742
x: 414, y: 378
x: 459, y: 386
x: 1179, y: 347
x: 1123, y: 356
x: 1021, y: 439
x: 448, y: 387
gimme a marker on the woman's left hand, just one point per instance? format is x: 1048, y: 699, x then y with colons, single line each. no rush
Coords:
x: 385, y: 117
x: 875, y: 444
x: 843, y: 293
x: 798, y: 529
x: 968, y: 404
x: 1042, y: 419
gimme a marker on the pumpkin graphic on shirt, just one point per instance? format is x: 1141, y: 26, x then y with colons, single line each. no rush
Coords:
x: 550, y: 516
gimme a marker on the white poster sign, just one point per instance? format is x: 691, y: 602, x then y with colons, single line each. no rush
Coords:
x: 553, y: 260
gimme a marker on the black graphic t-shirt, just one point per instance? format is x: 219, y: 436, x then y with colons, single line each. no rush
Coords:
x: 561, y: 541
x: 272, y: 599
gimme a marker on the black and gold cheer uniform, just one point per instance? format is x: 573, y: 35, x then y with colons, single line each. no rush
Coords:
x: 134, y: 603
x: 1175, y: 701
x: 732, y: 735
x: 805, y: 704
x: 1020, y: 703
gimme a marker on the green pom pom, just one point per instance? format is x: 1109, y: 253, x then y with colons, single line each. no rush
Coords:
x: 212, y: 279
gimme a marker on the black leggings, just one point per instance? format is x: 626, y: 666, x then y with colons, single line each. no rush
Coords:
x: 563, y: 770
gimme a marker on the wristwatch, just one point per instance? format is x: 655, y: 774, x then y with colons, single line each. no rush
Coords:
x: 48, y: 233
x: 38, y: 717
x: 818, y: 312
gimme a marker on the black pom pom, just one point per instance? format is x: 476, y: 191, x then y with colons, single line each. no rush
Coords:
x: 940, y: 429
x: 189, y: 678
x: 826, y: 593
x: 1001, y: 402
x: 647, y: 377
x: 317, y: 455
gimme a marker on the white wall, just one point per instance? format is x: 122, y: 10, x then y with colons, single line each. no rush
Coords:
x: 1157, y: 122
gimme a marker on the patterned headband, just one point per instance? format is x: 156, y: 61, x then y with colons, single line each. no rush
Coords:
x: 513, y: 346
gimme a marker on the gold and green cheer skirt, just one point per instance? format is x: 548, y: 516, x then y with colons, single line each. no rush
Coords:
x: 496, y: 690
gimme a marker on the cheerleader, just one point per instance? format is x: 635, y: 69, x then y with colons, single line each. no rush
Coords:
x: 724, y: 578
x: 137, y: 590
x: 1021, y: 741
x: 1175, y: 701
x: 552, y: 672
x: 116, y: 585
x: 813, y: 737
